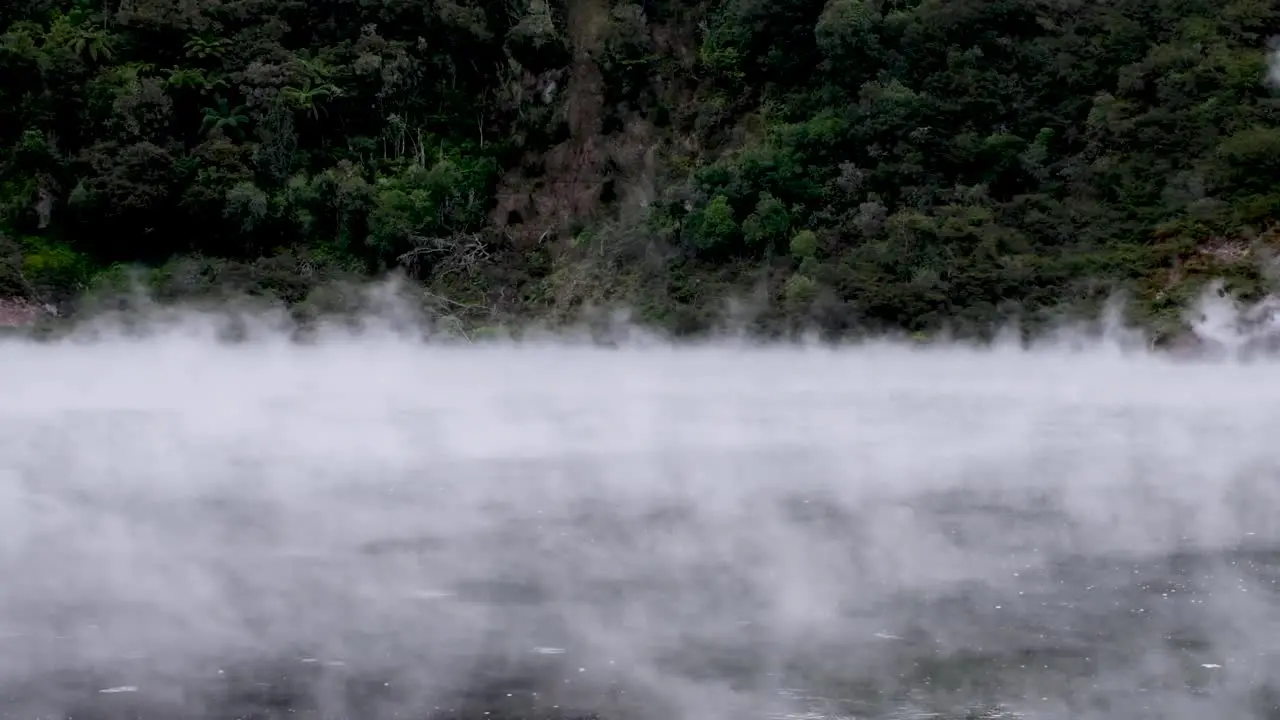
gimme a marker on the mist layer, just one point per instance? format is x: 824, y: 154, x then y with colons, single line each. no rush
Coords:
x: 371, y: 527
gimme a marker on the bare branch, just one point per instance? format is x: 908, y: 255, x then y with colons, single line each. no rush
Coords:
x: 462, y: 253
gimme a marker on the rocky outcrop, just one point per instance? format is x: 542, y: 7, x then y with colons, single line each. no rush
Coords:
x: 18, y: 312
x: 599, y: 156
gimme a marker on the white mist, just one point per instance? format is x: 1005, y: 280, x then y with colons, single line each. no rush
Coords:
x: 706, y: 532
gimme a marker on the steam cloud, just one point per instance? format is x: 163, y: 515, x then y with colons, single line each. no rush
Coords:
x: 1273, y: 62
x: 371, y: 527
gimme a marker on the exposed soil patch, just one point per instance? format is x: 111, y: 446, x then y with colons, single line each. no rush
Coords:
x: 575, y: 172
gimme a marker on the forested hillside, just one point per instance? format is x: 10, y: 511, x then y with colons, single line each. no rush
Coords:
x: 903, y: 164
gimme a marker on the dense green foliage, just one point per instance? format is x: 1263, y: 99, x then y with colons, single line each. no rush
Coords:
x: 864, y: 163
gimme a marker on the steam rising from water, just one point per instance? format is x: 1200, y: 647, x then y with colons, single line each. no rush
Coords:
x: 372, y: 527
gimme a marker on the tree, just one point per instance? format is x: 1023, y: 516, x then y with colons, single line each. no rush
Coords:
x: 206, y: 47
x: 224, y: 119
x: 307, y: 98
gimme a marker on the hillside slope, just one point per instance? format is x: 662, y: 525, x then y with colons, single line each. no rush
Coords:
x: 849, y: 164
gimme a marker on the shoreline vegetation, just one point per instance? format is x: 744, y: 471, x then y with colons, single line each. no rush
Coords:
x: 1218, y: 327
x: 916, y: 168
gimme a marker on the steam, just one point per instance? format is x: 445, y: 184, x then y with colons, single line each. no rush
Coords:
x: 373, y: 526
x: 1273, y: 62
